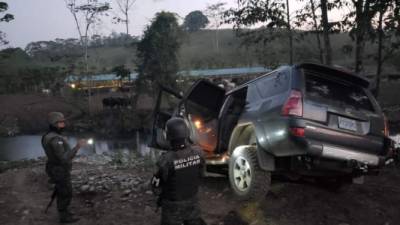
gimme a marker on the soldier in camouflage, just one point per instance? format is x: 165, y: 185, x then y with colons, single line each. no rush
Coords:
x: 178, y: 176
x: 59, y: 164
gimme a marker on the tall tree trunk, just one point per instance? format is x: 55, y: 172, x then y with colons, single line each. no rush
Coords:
x: 72, y: 8
x: 88, y: 76
x: 290, y: 34
x: 363, y: 17
x: 321, y: 53
x: 325, y: 25
x: 127, y: 21
x: 379, y: 59
x: 359, y: 36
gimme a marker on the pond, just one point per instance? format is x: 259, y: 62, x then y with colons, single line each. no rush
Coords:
x: 30, y: 147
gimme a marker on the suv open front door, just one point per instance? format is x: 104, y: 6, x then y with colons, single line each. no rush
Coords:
x: 202, y: 104
x: 167, y: 104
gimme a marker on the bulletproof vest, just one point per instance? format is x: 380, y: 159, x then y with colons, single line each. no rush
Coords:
x: 52, y: 159
x: 184, y: 174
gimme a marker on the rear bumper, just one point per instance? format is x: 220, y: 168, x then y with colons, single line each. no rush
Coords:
x: 345, y: 154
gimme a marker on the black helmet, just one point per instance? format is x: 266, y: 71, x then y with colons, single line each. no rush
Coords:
x: 54, y: 117
x: 176, y: 129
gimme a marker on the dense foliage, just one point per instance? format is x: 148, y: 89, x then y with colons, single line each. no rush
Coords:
x: 195, y: 21
x: 4, y: 17
x: 366, y: 39
x: 158, y: 52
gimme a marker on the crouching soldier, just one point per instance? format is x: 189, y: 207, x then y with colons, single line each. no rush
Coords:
x: 178, y: 176
x: 59, y: 164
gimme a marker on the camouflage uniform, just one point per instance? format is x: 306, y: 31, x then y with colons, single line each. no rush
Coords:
x: 179, y: 173
x: 58, y: 168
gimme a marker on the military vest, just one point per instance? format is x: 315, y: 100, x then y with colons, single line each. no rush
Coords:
x: 50, y: 142
x: 185, y: 169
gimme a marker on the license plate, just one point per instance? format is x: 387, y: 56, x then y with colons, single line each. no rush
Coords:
x: 347, y: 124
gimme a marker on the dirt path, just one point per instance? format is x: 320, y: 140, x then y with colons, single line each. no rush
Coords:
x: 24, y: 193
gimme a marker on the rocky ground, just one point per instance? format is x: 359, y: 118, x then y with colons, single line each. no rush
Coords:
x: 108, y: 191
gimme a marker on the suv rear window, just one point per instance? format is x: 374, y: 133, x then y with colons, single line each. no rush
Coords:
x: 336, y: 92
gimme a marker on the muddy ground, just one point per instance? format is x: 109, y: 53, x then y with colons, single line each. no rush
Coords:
x: 105, y: 194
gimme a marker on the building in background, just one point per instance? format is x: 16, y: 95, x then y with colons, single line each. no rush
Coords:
x: 235, y: 75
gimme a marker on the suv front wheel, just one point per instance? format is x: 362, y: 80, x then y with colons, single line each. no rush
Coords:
x: 247, y: 179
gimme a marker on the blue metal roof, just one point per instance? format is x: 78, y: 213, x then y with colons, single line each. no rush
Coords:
x: 208, y: 72
x: 225, y: 71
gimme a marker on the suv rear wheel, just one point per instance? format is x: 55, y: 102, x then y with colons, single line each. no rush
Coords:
x: 247, y: 179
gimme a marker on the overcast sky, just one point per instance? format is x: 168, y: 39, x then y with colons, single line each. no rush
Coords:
x: 38, y: 20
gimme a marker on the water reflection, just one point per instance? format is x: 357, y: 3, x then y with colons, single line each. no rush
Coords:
x: 21, y: 147
x: 29, y: 147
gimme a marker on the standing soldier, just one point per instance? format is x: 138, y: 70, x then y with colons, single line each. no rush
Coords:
x: 59, y: 164
x: 178, y: 176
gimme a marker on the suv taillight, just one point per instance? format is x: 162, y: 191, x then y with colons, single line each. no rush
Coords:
x: 297, y: 131
x: 293, y: 105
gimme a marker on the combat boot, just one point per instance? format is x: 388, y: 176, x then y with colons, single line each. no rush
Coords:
x: 66, y: 217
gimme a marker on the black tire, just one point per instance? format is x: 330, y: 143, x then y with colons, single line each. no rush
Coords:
x: 248, y: 181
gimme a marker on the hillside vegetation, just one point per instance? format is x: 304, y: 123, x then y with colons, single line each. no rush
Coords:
x: 27, y: 72
x: 198, y: 51
x: 45, y: 64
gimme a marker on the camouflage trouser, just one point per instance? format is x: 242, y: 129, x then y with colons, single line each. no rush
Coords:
x: 61, y: 177
x: 181, y: 212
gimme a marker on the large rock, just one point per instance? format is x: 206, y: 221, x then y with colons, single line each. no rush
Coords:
x: 84, y: 188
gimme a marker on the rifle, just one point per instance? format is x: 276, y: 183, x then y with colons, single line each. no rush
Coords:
x: 53, y: 196
x: 156, y: 189
x: 159, y: 203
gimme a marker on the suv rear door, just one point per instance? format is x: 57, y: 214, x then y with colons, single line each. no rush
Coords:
x: 167, y: 105
x: 202, y: 104
x: 207, y: 95
x: 342, y: 112
x: 200, y: 107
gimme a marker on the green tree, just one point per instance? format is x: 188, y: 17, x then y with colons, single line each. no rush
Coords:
x: 307, y: 17
x: 55, y: 50
x: 216, y: 13
x: 124, y: 7
x: 122, y: 72
x: 386, y: 35
x: 157, y: 53
x: 19, y: 73
x: 359, y: 24
x: 325, y: 30
x: 194, y: 21
x: 4, y: 17
x: 91, y: 11
x: 290, y: 33
x: 271, y: 15
x: 319, y: 23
